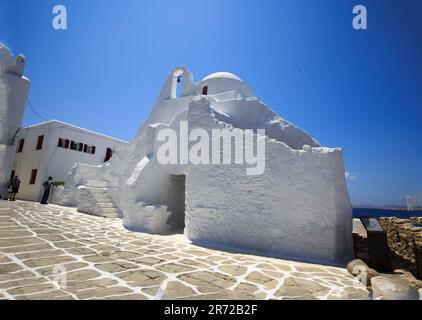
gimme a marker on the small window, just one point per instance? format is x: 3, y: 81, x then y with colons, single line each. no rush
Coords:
x: 66, y: 143
x: 85, y: 148
x: 33, y: 176
x: 39, y: 142
x: 12, y: 175
x: 21, y: 144
x: 72, y: 145
x: 93, y: 149
x: 205, y: 90
x: 80, y: 147
x: 60, y: 143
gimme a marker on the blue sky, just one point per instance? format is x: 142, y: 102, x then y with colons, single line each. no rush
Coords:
x: 359, y: 90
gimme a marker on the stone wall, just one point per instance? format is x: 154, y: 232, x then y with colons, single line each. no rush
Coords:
x: 404, y: 238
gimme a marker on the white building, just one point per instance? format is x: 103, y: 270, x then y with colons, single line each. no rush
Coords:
x: 298, y: 207
x: 51, y: 149
x: 14, y: 89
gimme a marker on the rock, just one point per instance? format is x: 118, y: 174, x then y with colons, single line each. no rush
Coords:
x: 349, y: 294
x: 359, y: 268
x: 392, y: 287
x: 410, y: 278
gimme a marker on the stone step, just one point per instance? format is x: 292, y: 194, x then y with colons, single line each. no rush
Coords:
x: 102, y: 198
x: 99, y: 193
x: 109, y: 210
x: 94, y: 183
x: 106, y: 205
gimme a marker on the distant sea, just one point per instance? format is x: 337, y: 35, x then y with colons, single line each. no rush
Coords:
x: 376, y: 212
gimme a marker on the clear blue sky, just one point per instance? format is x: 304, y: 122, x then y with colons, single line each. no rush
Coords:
x: 360, y: 90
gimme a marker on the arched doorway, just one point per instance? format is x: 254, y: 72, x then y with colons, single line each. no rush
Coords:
x: 176, y: 85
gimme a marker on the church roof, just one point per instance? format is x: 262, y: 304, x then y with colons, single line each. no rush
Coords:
x: 226, y: 75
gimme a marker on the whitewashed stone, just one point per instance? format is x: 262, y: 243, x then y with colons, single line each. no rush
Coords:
x: 298, y: 208
x: 14, y: 90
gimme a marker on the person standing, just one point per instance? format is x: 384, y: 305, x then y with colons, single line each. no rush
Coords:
x: 14, y: 188
x: 47, y: 187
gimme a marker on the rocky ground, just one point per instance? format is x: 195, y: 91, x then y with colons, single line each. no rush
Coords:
x: 53, y: 252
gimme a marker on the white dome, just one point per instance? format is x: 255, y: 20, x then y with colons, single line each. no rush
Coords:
x: 226, y: 75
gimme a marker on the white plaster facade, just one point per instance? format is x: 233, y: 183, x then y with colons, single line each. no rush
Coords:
x: 53, y: 160
x: 298, y: 208
x: 14, y: 90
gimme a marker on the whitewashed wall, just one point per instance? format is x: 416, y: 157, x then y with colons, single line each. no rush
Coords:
x: 14, y: 90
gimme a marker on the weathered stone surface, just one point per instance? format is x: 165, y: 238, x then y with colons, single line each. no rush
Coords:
x: 49, y: 261
x: 261, y: 278
x: 102, y: 260
x: 82, y: 275
x: 174, y: 268
x: 392, y: 287
x: 360, y: 269
x: 297, y: 288
x: 115, y: 267
x: 109, y: 292
x: 176, y: 289
x: 50, y: 295
x: 233, y: 270
x: 208, y: 282
x: 31, y: 289
x: 349, y: 294
x: 143, y: 278
x: 9, y: 267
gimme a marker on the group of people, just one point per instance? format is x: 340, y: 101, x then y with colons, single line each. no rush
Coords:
x: 15, y: 183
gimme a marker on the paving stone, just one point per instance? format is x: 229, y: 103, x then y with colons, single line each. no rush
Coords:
x: 22, y: 274
x: 149, y: 261
x: 49, y: 261
x: 296, y: 287
x: 23, y: 282
x: 261, y: 278
x: 4, y: 259
x: 40, y: 254
x: 103, y: 292
x: 31, y: 289
x: 143, y: 278
x: 4, y: 243
x: 174, y: 268
x: 50, y: 270
x: 80, y: 251
x: 27, y: 248
x: 207, y: 281
x: 75, y: 286
x: 114, y: 267
x: 8, y: 268
x: 233, y: 270
x: 105, y: 261
x: 51, y: 295
x: 14, y: 234
x: 82, y: 275
x: 175, y: 289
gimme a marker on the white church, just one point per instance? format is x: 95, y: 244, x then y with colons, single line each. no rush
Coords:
x: 14, y: 90
x: 297, y: 208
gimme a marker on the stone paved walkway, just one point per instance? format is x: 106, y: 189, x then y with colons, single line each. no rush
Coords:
x: 102, y: 260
